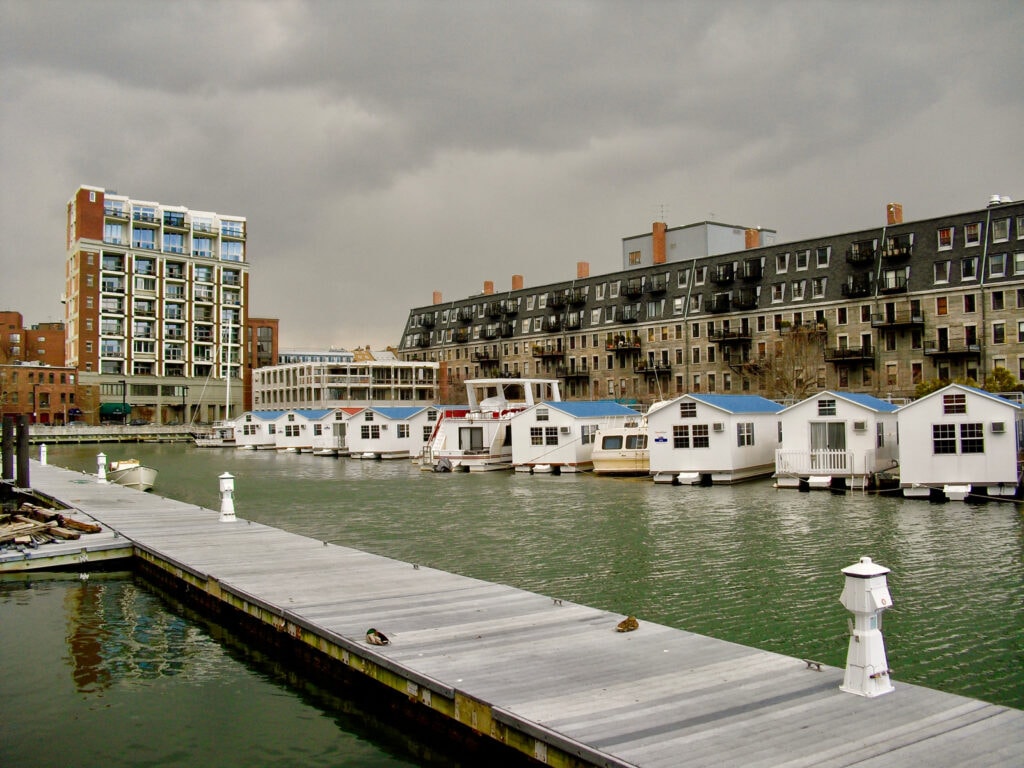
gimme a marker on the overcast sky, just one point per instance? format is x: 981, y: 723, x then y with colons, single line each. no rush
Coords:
x: 385, y: 150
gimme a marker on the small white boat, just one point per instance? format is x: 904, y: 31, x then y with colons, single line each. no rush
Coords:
x: 131, y: 474
x: 622, y: 451
x: 222, y: 436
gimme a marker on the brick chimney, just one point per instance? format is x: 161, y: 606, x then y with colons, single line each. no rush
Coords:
x: 517, y: 282
x: 488, y: 287
x: 753, y: 238
x: 658, y: 241
x: 582, y: 269
x: 438, y: 298
x: 894, y: 213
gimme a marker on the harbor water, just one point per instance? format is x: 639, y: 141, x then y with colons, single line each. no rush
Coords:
x: 124, y: 669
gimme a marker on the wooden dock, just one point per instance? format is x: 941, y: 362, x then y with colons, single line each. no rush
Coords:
x: 552, y: 680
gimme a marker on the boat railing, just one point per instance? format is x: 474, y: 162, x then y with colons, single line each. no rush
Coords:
x: 818, y: 461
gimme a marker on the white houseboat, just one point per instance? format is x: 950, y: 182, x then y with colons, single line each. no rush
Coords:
x: 559, y: 437
x: 295, y: 429
x: 257, y: 430
x: 478, y: 437
x: 332, y: 438
x: 390, y: 432
x: 960, y: 440
x: 704, y: 439
x: 835, y: 440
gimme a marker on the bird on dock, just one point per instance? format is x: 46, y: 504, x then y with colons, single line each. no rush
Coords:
x: 628, y: 624
x: 376, y: 637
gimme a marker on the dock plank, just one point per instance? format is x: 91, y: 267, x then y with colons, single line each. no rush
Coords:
x: 560, y: 673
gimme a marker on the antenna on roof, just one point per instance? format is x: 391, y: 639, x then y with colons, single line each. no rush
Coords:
x: 662, y: 212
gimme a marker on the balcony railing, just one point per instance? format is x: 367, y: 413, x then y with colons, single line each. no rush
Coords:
x: 856, y: 287
x: 571, y: 372
x: 898, y: 248
x: 745, y: 298
x: 952, y: 348
x: 547, y: 351
x: 723, y: 274
x: 739, y: 336
x: 752, y: 269
x: 622, y: 342
x: 893, y: 284
x: 719, y: 303
x: 861, y: 254
x: 657, y: 368
x: 656, y: 285
x: 631, y: 313
x: 899, y: 318
x: 849, y: 354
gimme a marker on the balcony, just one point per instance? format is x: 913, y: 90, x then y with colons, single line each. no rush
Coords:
x: 653, y: 369
x: 630, y: 313
x: 115, y: 212
x: 486, y: 356
x: 548, y: 351
x: 720, y: 302
x: 850, y: 355
x: 622, y: 343
x: 510, y: 307
x: 507, y: 330
x: 818, y: 329
x: 634, y: 288
x: 893, y: 284
x: 723, y: 274
x: 902, y: 318
x: 898, y: 248
x: 461, y: 335
x: 577, y: 297
x: 176, y: 220
x: 490, y: 331
x: 551, y: 323
x: 656, y: 285
x: 571, y: 372
x: 464, y: 315
x: 426, y: 321
x: 752, y: 270
x: 856, y: 286
x: 952, y: 348
x: 422, y: 340
x: 741, y: 336
x: 861, y: 254
x: 745, y: 298
x: 494, y: 309
x: 740, y: 361
x: 573, y: 321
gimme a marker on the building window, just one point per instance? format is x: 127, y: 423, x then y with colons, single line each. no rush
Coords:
x: 970, y: 303
x: 1018, y: 263
x: 634, y: 258
x: 945, y: 238
x: 942, y: 271
x: 542, y: 414
x: 972, y: 234
x: 818, y: 287
x: 782, y: 263
x: 1000, y: 230
x: 999, y: 333
x: 954, y: 403
x: 699, y: 275
x: 687, y: 410
x: 827, y: 407
x: 745, y: 434
x: 680, y: 436
x: 972, y: 439
x: 403, y: 430
x: 943, y: 438
x: 778, y: 292
x: 941, y: 305
x: 969, y: 268
x: 802, y: 259
x: 821, y: 256
x: 997, y: 300
x: 536, y: 435
x: 997, y: 265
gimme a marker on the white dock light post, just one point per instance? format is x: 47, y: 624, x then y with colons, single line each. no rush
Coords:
x: 227, y: 500
x: 101, y: 467
x: 42, y: 454
x: 866, y: 594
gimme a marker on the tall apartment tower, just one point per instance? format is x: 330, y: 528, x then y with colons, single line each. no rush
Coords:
x: 156, y: 303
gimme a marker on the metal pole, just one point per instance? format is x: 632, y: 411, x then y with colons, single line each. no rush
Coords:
x: 124, y: 402
x: 7, y: 447
x: 22, y: 480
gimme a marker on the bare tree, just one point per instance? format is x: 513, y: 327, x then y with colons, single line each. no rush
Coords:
x: 794, y: 366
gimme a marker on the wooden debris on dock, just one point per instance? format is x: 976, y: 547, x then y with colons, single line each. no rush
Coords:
x: 32, y: 525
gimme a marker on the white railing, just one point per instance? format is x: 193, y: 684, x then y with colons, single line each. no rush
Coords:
x: 820, y: 461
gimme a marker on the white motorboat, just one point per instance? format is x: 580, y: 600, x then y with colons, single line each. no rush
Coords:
x: 222, y: 436
x: 132, y: 474
x: 478, y: 437
x: 623, y: 450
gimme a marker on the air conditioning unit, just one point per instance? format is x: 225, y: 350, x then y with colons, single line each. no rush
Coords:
x: 565, y: 430
x: 998, y: 427
x: 860, y: 426
x: 719, y: 426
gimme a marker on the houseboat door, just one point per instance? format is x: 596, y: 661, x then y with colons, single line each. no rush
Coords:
x: 828, y: 445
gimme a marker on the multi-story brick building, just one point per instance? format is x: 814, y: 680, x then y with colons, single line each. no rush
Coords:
x: 156, y: 302
x: 877, y: 311
x: 43, y: 343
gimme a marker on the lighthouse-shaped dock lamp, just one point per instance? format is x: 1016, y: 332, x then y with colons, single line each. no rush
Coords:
x: 866, y: 595
x: 227, y: 498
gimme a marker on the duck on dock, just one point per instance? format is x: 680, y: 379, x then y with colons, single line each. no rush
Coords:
x: 376, y: 637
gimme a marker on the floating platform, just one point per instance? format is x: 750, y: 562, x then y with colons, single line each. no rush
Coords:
x: 549, y: 679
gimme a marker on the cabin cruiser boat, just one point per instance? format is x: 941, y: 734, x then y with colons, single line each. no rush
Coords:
x: 478, y: 437
x: 222, y: 436
x: 623, y: 450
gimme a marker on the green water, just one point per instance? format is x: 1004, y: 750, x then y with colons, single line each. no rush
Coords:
x: 746, y: 563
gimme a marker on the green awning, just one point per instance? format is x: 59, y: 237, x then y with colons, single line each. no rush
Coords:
x: 115, y: 409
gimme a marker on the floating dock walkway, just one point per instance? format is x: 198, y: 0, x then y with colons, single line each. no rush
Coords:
x: 551, y: 680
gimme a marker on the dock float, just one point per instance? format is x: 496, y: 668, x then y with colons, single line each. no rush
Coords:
x: 549, y: 679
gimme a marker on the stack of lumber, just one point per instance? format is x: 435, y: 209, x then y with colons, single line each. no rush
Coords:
x: 31, y: 526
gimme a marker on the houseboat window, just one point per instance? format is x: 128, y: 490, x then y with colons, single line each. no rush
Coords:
x: 403, y: 430
x: 542, y: 414
x: 636, y: 442
x: 972, y: 438
x: 827, y: 407
x: 587, y: 432
x: 611, y: 442
x: 955, y: 403
x: 688, y: 410
x: 471, y: 438
x: 680, y: 436
x: 745, y: 434
x: 943, y: 438
x: 701, y: 436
